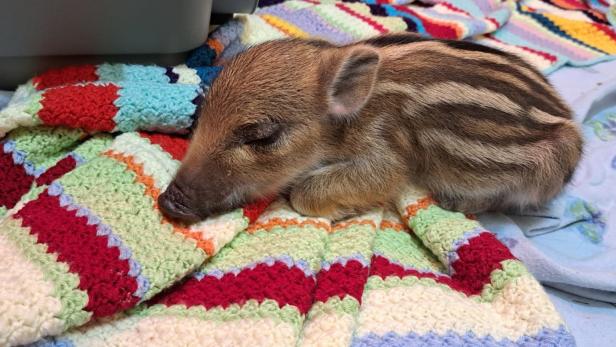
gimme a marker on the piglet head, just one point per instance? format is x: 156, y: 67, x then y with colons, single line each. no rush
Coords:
x: 270, y: 117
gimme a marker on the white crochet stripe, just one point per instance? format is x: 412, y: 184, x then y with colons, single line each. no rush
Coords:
x: 534, y: 59
x: 186, y: 75
x: 334, y: 327
x: 410, y: 196
x: 557, y: 11
x: 280, y: 209
x: 21, y: 284
x: 344, y: 21
x: 256, y: 30
x: 390, y: 216
x: 221, y: 229
x: 190, y: 331
x: 94, y: 334
x: 156, y: 163
x: 522, y: 308
x: 18, y: 115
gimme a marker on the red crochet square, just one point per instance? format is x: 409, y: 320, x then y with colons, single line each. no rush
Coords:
x: 65, y: 75
x: 90, y: 107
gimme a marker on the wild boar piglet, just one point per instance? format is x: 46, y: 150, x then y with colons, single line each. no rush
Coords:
x: 342, y: 129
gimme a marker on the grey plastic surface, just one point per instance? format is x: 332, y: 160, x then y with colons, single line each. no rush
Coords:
x: 84, y: 27
x: 234, y: 6
x: 36, y: 35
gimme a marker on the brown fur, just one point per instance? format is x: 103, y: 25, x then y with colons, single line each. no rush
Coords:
x: 341, y: 129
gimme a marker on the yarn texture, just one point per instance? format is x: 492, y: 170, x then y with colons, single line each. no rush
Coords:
x: 89, y: 260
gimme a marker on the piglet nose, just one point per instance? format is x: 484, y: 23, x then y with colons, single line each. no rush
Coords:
x: 175, y: 204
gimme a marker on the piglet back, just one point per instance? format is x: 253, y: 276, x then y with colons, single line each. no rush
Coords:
x: 484, y: 129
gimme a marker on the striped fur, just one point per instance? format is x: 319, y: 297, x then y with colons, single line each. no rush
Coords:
x: 477, y: 127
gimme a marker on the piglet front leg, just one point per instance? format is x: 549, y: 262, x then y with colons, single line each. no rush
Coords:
x: 345, y: 189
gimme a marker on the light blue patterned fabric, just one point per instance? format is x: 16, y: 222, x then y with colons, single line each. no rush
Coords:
x: 591, y: 322
x: 571, y: 244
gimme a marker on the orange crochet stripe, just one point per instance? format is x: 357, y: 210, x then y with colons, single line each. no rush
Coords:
x: 285, y: 223
x: 285, y: 27
x: 153, y: 192
x: 216, y: 45
x: 421, y: 204
x: 393, y: 225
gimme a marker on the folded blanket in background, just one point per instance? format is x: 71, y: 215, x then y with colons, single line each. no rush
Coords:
x: 110, y: 98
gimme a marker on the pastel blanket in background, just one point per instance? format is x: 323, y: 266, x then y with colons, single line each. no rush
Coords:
x: 549, y: 33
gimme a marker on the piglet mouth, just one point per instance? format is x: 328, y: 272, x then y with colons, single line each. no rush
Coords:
x: 172, y: 204
x: 178, y: 205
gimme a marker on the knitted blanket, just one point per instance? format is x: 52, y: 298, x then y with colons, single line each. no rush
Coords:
x: 89, y: 260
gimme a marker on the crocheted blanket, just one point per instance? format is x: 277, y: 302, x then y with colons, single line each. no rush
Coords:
x: 89, y: 260
x: 548, y: 33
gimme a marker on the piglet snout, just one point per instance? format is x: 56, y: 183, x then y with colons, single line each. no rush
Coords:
x: 174, y: 203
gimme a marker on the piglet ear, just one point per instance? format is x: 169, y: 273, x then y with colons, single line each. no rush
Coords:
x: 353, y: 81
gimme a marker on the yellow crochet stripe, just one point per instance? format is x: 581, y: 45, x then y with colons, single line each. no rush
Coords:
x: 585, y: 32
x: 284, y: 26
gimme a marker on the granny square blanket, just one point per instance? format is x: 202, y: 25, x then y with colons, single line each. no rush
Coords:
x: 89, y: 260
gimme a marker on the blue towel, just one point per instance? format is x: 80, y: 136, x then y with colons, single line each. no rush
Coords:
x: 570, y: 244
x: 591, y: 322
